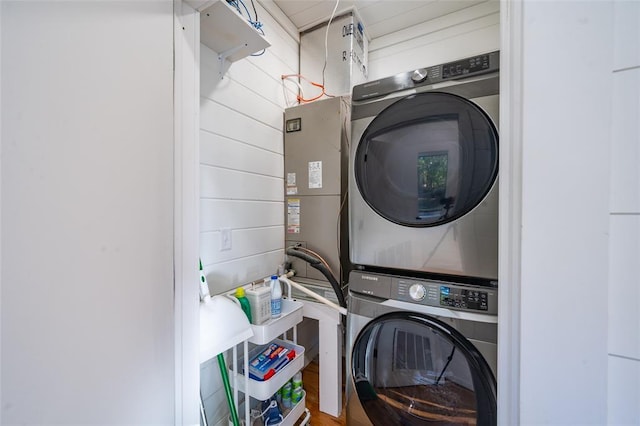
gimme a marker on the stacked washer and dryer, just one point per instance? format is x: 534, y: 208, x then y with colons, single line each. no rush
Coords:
x: 423, y: 235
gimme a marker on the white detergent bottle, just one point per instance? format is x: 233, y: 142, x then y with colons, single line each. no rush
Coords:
x: 276, y: 297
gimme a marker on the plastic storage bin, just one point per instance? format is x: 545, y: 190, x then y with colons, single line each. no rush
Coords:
x: 263, y: 390
x: 292, y: 416
x: 291, y: 315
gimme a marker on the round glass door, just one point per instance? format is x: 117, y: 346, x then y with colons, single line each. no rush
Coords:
x: 427, y: 159
x: 412, y: 369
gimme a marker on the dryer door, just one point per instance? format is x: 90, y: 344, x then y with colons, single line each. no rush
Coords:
x: 412, y: 369
x: 427, y: 159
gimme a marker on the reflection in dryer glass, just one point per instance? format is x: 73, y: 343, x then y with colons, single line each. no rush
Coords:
x: 408, y: 374
x: 432, y: 185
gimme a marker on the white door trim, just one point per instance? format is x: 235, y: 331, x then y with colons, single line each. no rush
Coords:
x: 510, y: 210
x: 186, y: 208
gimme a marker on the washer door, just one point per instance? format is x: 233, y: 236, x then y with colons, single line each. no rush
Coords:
x: 427, y: 159
x: 412, y: 369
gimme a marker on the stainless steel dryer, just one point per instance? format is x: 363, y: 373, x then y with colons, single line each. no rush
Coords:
x: 423, y: 170
x: 421, y: 352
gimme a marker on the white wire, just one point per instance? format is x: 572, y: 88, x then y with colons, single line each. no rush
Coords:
x: 286, y: 99
x: 326, y: 41
x: 284, y: 95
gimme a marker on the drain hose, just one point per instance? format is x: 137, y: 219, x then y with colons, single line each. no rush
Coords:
x: 317, y: 264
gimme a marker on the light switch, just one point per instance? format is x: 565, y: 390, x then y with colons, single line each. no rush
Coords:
x: 225, y: 239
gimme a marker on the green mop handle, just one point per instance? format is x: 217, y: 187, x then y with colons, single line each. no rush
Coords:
x: 227, y: 389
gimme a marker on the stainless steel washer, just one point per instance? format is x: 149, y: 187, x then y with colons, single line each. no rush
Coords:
x: 420, y: 352
x: 423, y: 170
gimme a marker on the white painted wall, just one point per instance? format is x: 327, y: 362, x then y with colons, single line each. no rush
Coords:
x: 87, y: 213
x: 565, y: 216
x: 241, y: 174
x: 624, y: 220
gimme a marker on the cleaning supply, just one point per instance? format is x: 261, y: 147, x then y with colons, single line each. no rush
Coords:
x: 296, y: 384
x: 276, y: 297
x: 272, y: 413
x: 296, y: 395
x: 272, y: 358
x: 204, y: 287
x: 286, y: 395
x: 260, y: 302
x: 244, y: 302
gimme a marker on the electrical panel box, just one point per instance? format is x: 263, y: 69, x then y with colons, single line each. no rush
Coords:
x: 347, y: 50
x: 315, y: 162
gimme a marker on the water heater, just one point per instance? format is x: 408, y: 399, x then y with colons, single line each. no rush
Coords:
x: 315, y: 162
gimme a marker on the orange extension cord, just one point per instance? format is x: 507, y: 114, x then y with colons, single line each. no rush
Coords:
x: 299, y: 97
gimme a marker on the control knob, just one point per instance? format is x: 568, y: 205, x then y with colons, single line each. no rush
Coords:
x: 419, y: 75
x: 417, y: 292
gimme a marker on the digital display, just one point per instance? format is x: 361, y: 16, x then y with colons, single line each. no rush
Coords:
x: 463, y: 298
x: 467, y: 66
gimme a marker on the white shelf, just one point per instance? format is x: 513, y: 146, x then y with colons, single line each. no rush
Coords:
x: 291, y: 315
x: 227, y: 33
x: 263, y: 390
x: 200, y: 5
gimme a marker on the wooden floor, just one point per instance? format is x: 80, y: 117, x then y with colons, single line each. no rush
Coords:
x: 310, y: 385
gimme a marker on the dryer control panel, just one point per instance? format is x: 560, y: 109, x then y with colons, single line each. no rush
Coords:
x: 443, y: 294
x: 463, y: 68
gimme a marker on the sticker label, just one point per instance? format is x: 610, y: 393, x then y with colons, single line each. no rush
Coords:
x: 293, y: 216
x: 315, y: 174
x: 292, y: 189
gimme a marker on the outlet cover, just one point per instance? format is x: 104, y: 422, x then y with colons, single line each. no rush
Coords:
x: 225, y: 239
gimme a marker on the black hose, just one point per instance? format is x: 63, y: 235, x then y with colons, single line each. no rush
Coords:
x: 317, y: 264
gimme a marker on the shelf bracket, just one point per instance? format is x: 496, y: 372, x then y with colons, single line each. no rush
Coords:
x: 222, y: 57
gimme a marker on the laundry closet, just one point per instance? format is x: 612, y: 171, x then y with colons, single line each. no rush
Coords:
x: 250, y: 194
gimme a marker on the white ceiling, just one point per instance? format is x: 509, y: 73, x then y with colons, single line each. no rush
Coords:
x: 380, y: 17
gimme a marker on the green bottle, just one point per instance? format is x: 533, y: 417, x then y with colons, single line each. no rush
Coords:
x: 244, y: 302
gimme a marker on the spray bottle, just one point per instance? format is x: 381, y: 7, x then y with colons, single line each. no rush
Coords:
x: 244, y: 302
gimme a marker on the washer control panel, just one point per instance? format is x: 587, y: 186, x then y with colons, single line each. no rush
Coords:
x: 443, y: 294
x: 464, y: 298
